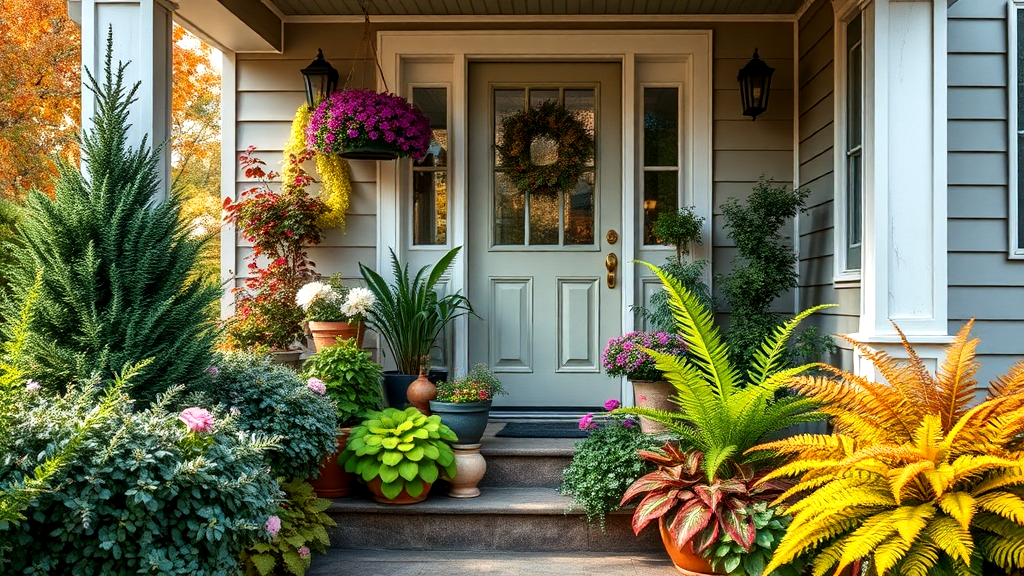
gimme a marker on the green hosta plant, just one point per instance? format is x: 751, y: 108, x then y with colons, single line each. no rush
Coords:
x: 729, y: 556
x: 303, y: 531
x: 351, y: 378
x: 403, y: 447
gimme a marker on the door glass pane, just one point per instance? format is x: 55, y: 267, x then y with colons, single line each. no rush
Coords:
x: 505, y: 102
x: 543, y: 219
x: 579, y: 212
x: 855, y: 95
x: 433, y: 102
x: 509, y: 212
x: 581, y: 104
x: 538, y: 97
x: 661, y: 126
x: 660, y: 195
x: 429, y: 207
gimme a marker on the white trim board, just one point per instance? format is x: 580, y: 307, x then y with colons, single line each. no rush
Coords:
x: 537, y: 18
x: 1015, y: 247
x: 459, y: 48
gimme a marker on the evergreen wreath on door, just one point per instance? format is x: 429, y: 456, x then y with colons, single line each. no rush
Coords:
x: 574, y: 148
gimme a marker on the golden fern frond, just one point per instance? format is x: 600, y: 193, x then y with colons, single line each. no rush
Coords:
x: 1000, y: 479
x: 960, y: 506
x: 969, y: 466
x: 825, y: 560
x: 798, y: 467
x: 1005, y: 504
x: 955, y: 383
x: 900, y: 477
x: 772, y: 355
x: 860, y: 399
x: 904, y: 379
x: 801, y: 539
x: 696, y: 325
x: 919, y: 560
x: 1007, y: 553
x: 890, y: 552
x: 863, y: 541
x: 808, y: 483
x: 835, y: 444
x: 951, y: 538
x: 1009, y: 384
x: 929, y: 434
x: 839, y: 495
x: 921, y: 384
x: 970, y: 429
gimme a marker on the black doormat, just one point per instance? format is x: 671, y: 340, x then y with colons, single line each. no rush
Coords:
x: 542, y: 430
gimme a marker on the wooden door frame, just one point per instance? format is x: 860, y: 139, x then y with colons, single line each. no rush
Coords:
x: 454, y: 50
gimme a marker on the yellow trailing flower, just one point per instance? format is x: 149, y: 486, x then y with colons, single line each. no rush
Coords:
x: 914, y: 477
x: 334, y: 171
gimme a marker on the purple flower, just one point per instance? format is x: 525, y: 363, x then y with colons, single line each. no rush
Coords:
x: 611, y: 404
x: 316, y: 385
x: 213, y: 370
x: 32, y: 386
x: 628, y: 423
x: 304, y: 552
x: 273, y: 525
x: 196, y: 419
x: 587, y: 422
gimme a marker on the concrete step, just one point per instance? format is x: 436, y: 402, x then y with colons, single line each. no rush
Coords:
x: 535, y: 519
x: 525, y: 462
x: 339, y: 562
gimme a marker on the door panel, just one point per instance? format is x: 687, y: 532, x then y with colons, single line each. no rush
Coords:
x: 537, y: 262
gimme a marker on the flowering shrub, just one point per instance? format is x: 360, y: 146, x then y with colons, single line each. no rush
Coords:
x: 298, y: 524
x: 479, y: 385
x: 137, y: 497
x: 280, y: 225
x: 272, y: 399
x: 623, y: 356
x: 356, y: 118
x: 332, y: 302
x: 197, y: 419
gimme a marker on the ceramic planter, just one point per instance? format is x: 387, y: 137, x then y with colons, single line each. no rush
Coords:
x: 325, y: 334
x: 289, y: 358
x: 471, y: 467
x: 421, y: 392
x: 653, y: 395
x: 396, y: 386
x: 685, y: 560
x: 333, y: 481
x: 403, y: 496
x: 467, y: 420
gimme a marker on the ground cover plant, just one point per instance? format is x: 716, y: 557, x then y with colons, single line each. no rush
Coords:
x: 300, y: 530
x: 915, y: 477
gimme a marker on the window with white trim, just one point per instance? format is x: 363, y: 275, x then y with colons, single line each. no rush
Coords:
x: 849, y: 225
x: 430, y: 173
x: 1016, y: 121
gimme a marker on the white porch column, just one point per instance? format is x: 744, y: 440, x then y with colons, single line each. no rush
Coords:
x: 141, y: 35
x: 904, y: 255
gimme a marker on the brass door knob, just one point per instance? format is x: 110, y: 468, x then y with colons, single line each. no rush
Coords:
x: 611, y: 263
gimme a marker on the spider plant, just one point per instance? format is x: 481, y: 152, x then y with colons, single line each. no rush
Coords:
x: 914, y: 477
x: 409, y: 314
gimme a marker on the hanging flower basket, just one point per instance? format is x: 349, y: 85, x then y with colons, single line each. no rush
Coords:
x: 366, y: 125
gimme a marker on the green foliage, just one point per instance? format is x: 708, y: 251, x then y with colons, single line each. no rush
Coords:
x: 764, y: 268
x: 273, y: 400
x: 141, y: 494
x: 409, y: 314
x: 118, y: 268
x: 691, y: 276
x: 353, y: 380
x: 679, y: 229
x: 723, y: 412
x: 479, y: 385
x: 404, y: 448
x: 603, y: 466
x: 10, y: 239
x: 813, y: 346
x: 303, y: 530
x: 729, y: 557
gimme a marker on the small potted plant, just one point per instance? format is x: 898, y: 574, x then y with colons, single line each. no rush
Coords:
x: 334, y: 311
x: 399, y: 454
x: 353, y: 381
x: 625, y: 356
x: 409, y: 315
x: 367, y: 125
x: 280, y: 225
x: 465, y: 403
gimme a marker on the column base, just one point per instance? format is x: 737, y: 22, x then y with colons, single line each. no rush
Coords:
x: 931, y: 348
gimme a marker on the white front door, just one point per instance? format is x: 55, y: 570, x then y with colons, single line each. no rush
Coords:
x: 537, y: 262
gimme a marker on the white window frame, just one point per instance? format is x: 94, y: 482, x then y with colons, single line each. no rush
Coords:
x: 1016, y: 247
x: 846, y: 12
x: 683, y: 194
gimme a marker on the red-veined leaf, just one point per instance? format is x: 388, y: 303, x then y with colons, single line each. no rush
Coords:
x: 654, y: 506
x: 739, y: 527
x: 691, y: 519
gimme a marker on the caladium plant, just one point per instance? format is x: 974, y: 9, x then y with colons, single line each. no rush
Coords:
x: 696, y: 509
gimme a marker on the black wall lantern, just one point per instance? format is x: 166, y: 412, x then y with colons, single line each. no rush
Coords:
x: 755, y: 83
x: 321, y: 79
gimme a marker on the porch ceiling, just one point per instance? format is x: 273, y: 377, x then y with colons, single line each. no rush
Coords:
x: 532, y: 7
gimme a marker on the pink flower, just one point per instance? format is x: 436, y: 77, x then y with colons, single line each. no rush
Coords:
x: 628, y: 423
x: 32, y: 386
x: 587, y: 422
x: 196, y: 419
x: 273, y: 525
x: 611, y: 404
x: 213, y: 370
x: 304, y: 552
x: 316, y: 385
x: 235, y: 411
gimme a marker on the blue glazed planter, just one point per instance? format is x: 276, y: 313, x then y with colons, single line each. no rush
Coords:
x: 467, y: 420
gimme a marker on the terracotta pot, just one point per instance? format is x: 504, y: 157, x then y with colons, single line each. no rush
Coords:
x: 420, y: 393
x: 333, y: 481
x: 403, y: 496
x: 470, y: 468
x: 326, y: 334
x: 685, y: 560
x: 653, y: 395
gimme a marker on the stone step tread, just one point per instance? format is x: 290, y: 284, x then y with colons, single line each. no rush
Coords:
x: 510, y: 501
x: 338, y: 562
x: 528, y: 447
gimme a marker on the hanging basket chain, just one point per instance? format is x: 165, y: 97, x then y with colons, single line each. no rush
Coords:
x: 366, y: 46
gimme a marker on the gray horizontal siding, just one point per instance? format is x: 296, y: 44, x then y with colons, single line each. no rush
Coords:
x: 983, y: 283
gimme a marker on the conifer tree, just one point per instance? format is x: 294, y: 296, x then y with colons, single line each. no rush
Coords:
x: 119, y: 281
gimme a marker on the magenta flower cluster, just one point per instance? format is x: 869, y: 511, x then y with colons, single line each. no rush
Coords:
x: 355, y: 118
x: 587, y: 421
x: 623, y: 356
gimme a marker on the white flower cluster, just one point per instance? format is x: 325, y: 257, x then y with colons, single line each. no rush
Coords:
x: 312, y: 292
x: 359, y: 302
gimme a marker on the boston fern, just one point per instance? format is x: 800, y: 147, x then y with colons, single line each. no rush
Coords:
x: 409, y: 314
x: 916, y: 476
